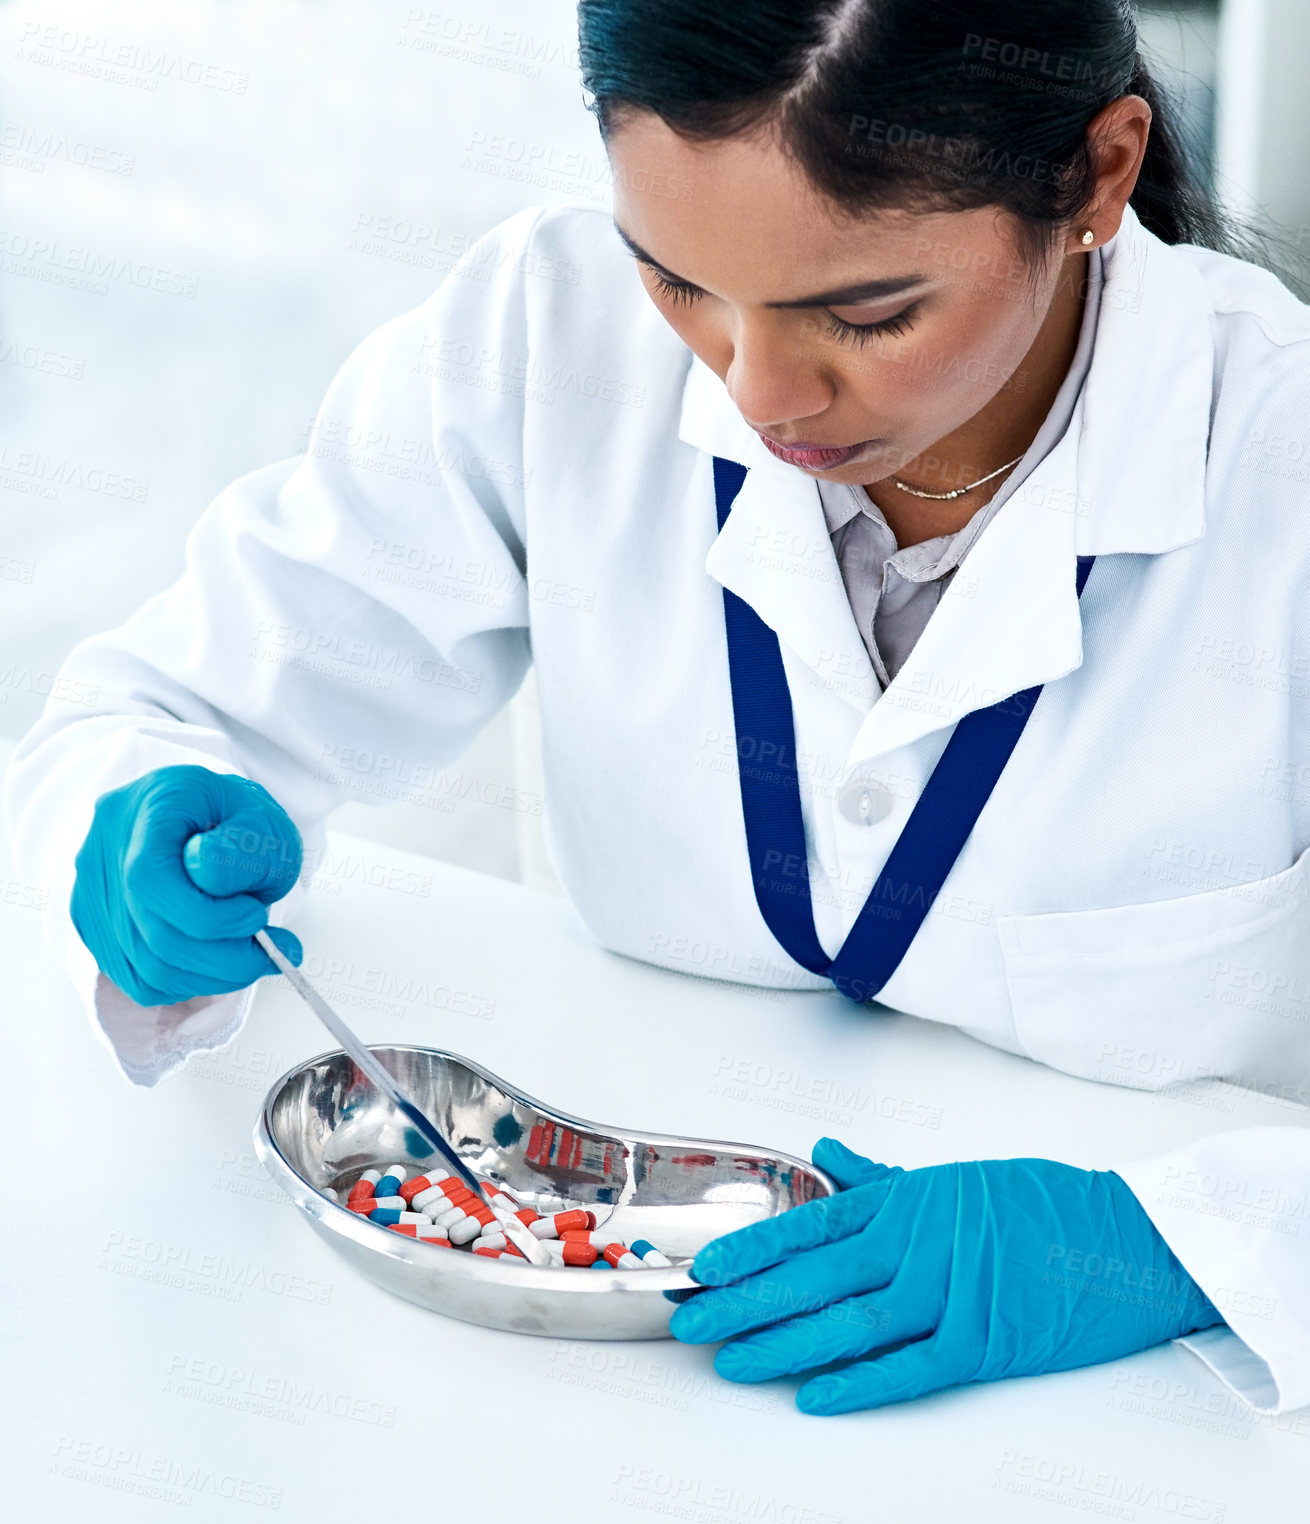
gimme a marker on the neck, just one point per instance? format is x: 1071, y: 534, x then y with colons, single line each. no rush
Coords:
x: 998, y: 432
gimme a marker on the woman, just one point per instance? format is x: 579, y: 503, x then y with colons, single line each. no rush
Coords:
x: 914, y: 576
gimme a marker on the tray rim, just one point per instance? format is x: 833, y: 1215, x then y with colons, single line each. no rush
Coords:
x: 336, y: 1218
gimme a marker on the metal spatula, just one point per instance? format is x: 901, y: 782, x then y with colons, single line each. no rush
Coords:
x: 522, y: 1239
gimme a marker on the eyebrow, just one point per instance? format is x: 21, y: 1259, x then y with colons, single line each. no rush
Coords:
x: 847, y: 296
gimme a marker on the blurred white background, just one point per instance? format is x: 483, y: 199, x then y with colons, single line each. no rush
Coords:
x: 293, y: 173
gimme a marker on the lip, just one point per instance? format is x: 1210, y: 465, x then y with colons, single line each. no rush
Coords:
x: 815, y: 457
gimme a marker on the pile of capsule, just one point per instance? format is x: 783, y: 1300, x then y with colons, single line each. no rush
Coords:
x: 440, y: 1209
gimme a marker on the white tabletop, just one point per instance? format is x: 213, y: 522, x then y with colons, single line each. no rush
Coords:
x: 176, y: 1336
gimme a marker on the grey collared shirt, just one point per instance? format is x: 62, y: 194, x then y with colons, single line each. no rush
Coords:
x: 893, y: 592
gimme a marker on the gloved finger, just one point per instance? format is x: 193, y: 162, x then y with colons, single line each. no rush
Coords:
x: 166, y: 907
x: 802, y: 1284
x: 288, y: 944
x: 753, y: 1248
x: 249, y: 852
x: 843, y: 1331
x: 171, y: 902
x: 168, y: 982
x: 233, y: 961
x: 250, y: 962
x: 896, y: 1376
x: 173, y: 982
x: 257, y: 848
x: 845, y: 1166
x: 155, y: 885
x: 159, y: 887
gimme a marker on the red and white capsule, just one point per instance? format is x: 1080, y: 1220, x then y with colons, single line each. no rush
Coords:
x: 464, y: 1231
x: 448, y: 1185
x: 421, y: 1230
x: 621, y: 1257
x: 444, y: 1194
x: 364, y: 1185
x: 411, y: 1188
x: 562, y: 1222
x: 447, y: 1221
x: 597, y: 1236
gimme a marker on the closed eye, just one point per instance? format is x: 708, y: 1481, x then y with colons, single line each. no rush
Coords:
x: 861, y: 333
x: 683, y: 293
x: 675, y: 290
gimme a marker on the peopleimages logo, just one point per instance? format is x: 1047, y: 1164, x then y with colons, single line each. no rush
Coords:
x: 120, y: 1468
x: 1075, y: 1485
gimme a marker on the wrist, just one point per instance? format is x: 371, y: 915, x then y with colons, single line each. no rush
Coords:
x: 1192, y: 1309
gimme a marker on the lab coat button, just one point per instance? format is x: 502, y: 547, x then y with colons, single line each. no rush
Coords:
x: 863, y: 803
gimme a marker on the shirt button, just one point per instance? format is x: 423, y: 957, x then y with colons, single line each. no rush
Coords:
x: 863, y: 804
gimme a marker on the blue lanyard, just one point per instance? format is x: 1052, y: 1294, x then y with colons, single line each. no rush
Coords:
x: 927, y: 847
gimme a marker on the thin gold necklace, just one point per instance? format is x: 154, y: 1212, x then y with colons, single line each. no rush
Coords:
x: 942, y: 497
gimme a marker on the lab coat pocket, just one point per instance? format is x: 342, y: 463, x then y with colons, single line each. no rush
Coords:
x: 1213, y: 985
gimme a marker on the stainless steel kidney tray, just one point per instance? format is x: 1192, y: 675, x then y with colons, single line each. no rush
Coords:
x: 323, y: 1122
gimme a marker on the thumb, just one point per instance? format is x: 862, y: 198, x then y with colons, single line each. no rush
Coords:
x: 243, y: 855
x: 846, y: 1167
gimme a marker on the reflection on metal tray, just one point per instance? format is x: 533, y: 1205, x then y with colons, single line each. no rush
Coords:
x: 323, y: 1123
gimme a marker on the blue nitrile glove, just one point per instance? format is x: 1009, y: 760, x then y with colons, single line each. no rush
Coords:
x: 173, y: 881
x: 999, y: 1267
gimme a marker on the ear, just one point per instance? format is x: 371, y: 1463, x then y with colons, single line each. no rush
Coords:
x: 846, y: 1167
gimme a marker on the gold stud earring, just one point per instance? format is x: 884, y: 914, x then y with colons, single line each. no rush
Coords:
x: 1088, y: 238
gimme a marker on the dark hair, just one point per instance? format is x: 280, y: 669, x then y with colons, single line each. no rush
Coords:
x: 932, y: 104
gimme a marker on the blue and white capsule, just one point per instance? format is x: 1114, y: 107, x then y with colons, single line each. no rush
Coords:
x: 648, y: 1254
x: 392, y: 1179
x: 389, y: 1216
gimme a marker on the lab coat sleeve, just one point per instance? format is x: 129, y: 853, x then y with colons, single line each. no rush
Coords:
x: 346, y: 623
x: 1235, y: 1209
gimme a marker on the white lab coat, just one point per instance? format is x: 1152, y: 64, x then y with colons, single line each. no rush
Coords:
x: 520, y: 470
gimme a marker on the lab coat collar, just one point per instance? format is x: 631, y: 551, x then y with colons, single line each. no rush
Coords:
x: 775, y: 551
x: 1127, y: 477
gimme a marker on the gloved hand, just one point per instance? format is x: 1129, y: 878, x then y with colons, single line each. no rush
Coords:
x: 173, y: 881
x: 999, y: 1267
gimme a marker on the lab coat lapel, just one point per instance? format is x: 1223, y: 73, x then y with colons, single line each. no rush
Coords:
x: 1127, y: 476
x: 775, y: 551
x: 1145, y: 439
x: 1008, y: 620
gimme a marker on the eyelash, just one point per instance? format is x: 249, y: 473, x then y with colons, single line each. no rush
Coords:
x: 839, y: 328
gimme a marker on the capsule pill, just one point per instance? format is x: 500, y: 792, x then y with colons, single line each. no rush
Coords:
x: 364, y: 1186
x: 391, y: 1181
x: 647, y: 1253
x: 561, y: 1222
x: 439, y: 1209
x: 621, y: 1257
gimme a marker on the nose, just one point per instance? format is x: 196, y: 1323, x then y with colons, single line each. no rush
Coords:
x: 772, y: 382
